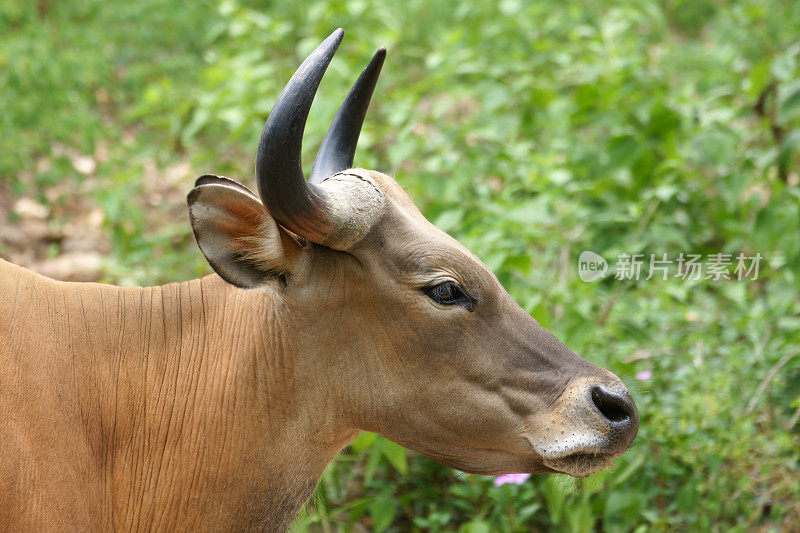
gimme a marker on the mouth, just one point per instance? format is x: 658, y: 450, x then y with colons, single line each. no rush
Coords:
x: 579, y: 456
x: 579, y: 464
x: 578, y: 460
x: 576, y: 464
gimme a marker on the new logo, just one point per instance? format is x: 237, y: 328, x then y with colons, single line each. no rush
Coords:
x: 591, y: 267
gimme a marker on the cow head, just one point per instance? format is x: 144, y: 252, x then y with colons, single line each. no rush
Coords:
x: 418, y: 339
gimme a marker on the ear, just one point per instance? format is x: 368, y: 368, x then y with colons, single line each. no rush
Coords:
x: 239, y: 238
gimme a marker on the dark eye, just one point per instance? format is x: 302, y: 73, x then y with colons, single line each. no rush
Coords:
x: 450, y: 293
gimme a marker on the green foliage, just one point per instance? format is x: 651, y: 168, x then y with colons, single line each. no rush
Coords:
x: 531, y: 131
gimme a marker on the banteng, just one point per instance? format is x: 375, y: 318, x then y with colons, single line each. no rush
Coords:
x: 335, y: 307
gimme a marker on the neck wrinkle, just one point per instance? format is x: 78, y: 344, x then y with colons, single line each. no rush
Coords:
x: 187, y: 405
x: 227, y: 420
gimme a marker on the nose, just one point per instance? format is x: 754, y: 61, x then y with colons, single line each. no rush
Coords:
x: 617, y: 410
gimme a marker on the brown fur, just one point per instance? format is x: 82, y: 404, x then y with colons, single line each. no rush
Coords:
x: 132, y: 408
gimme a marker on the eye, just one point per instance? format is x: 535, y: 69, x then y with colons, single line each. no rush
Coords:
x: 450, y: 293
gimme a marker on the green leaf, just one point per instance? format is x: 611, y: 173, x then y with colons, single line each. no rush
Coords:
x: 622, y: 150
x: 789, y: 100
x: 364, y: 440
x: 373, y: 461
x: 630, y: 469
x: 759, y: 77
x: 475, y: 526
x: 395, y: 453
x: 617, y: 501
x: 382, y: 511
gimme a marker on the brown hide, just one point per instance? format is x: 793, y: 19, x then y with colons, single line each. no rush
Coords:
x: 131, y: 408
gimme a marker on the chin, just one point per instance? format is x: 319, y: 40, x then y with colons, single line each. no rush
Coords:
x: 578, y: 464
x: 575, y: 459
x: 496, y: 464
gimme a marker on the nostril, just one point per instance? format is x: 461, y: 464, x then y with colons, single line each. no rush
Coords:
x: 612, y: 406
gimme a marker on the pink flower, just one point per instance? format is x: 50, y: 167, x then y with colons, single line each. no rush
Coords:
x: 644, y: 375
x: 515, y: 479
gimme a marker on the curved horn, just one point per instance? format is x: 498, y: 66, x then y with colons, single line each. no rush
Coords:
x: 339, y: 145
x: 295, y: 203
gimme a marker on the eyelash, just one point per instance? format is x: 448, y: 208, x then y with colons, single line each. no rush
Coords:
x: 450, y: 293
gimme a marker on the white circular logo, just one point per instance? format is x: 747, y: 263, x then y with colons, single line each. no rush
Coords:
x: 591, y: 266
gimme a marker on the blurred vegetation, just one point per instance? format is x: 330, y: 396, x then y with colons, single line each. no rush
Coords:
x: 530, y: 131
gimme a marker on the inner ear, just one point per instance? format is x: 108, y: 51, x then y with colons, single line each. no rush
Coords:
x: 237, y: 235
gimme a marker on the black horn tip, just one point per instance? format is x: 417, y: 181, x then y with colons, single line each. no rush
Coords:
x: 279, y: 173
x: 331, y: 43
x: 338, y: 148
x: 378, y: 58
x: 338, y: 33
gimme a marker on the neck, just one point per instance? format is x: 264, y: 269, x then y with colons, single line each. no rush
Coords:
x: 197, y: 401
